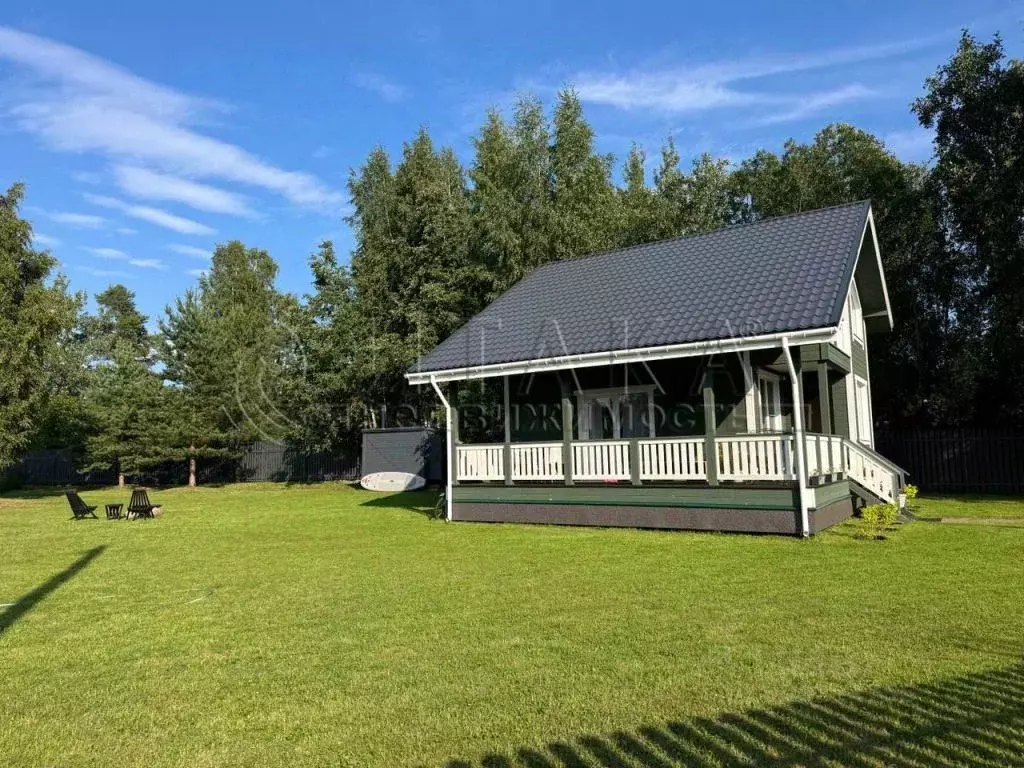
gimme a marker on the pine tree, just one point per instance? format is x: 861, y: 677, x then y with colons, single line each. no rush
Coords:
x: 129, y: 408
x: 117, y: 322
x: 222, y: 345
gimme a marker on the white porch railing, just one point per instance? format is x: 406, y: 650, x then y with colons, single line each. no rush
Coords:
x: 874, y: 473
x: 537, y: 461
x: 601, y: 460
x: 824, y: 455
x: 738, y: 458
x: 481, y: 462
x: 679, y: 458
x: 756, y: 457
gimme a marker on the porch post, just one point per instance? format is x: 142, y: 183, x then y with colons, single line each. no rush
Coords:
x: 450, y: 434
x: 634, y: 461
x: 507, y: 453
x: 453, y: 423
x: 800, y: 448
x: 825, y: 406
x: 710, y: 428
x: 824, y: 398
x: 566, y: 431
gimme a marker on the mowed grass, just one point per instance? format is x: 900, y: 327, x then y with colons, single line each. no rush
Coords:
x: 980, y: 507
x: 326, y: 626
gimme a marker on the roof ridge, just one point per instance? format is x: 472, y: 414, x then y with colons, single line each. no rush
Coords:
x: 692, y: 235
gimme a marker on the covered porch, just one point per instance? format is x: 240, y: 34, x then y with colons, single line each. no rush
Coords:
x: 718, y: 441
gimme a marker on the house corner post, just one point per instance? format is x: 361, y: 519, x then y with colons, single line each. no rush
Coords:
x: 799, y: 438
x: 567, y: 418
x: 451, y: 433
x: 710, y: 429
x: 507, y: 450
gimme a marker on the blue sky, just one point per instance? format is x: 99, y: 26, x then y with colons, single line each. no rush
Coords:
x: 148, y: 132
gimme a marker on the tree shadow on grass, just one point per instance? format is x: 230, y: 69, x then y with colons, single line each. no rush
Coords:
x: 29, y: 600
x: 975, y: 720
x: 422, y: 502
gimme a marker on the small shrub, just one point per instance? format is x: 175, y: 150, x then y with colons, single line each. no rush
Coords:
x: 876, y: 519
x: 910, y: 491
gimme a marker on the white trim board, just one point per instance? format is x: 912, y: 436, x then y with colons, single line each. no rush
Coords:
x: 597, y: 359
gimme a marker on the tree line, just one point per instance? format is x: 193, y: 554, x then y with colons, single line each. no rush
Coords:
x: 235, y: 359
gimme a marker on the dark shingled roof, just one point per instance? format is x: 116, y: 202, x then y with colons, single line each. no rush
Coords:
x: 787, y: 273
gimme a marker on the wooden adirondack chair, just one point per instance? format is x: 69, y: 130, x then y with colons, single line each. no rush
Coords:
x: 79, y: 508
x: 140, y: 505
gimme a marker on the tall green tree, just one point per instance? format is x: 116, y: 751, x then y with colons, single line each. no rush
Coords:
x: 688, y: 204
x: 920, y: 370
x: 637, y: 202
x: 416, y: 274
x: 329, y: 383
x: 222, y: 345
x: 117, y: 322
x: 37, y: 316
x: 583, y: 197
x: 134, y: 425
x: 975, y: 104
x: 510, y: 200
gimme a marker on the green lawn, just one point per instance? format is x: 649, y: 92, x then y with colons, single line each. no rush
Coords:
x: 970, y: 506
x: 274, y: 626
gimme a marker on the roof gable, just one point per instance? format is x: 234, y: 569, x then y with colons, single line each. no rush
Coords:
x: 787, y: 273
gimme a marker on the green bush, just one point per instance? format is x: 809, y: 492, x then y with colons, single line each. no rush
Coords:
x: 910, y: 491
x: 876, y: 519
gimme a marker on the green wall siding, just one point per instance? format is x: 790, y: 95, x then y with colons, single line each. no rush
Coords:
x: 535, y: 403
x: 859, y: 360
x: 724, y: 496
x: 840, y: 412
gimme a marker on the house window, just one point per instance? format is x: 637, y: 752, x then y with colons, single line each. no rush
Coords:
x: 610, y: 414
x: 856, y: 314
x: 863, y: 405
x: 769, y: 401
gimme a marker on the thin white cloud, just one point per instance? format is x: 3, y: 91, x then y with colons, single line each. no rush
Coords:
x: 107, y: 253
x: 45, y: 241
x: 147, y: 263
x: 126, y: 231
x: 79, y: 220
x: 153, y: 215
x: 715, y: 85
x: 190, y: 250
x: 387, y: 89
x: 322, y: 152
x: 103, y: 272
x: 197, y: 272
x: 150, y: 185
x: 76, y: 102
x: 817, y: 102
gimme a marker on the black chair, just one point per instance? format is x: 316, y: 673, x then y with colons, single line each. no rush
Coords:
x: 79, y: 508
x: 140, y: 505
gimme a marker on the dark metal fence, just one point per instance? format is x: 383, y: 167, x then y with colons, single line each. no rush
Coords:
x: 260, y: 462
x: 273, y: 462
x: 957, y: 460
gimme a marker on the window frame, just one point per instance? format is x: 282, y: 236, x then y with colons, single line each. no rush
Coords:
x: 584, y: 397
x: 769, y: 422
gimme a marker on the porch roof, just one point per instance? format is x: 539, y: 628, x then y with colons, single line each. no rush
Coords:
x: 739, y: 287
